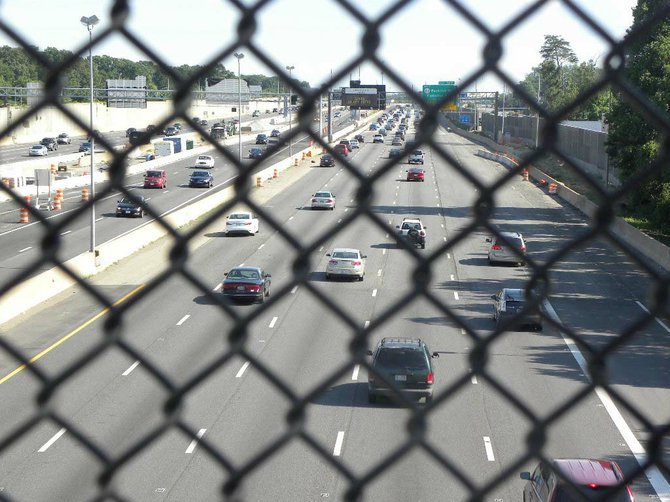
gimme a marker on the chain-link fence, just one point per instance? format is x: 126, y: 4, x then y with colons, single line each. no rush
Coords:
x: 234, y: 471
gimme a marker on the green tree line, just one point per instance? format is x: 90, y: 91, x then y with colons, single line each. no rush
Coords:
x: 18, y: 67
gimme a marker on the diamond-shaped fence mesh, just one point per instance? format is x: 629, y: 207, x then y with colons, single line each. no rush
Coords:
x: 294, y: 435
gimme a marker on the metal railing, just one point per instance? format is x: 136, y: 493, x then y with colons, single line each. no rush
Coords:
x: 538, y: 282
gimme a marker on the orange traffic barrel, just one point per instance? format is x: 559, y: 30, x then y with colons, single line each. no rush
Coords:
x: 57, y: 203
x: 259, y: 182
x: 24, y: 215
x: 524, y: 173
x: 275, y: 174
x: 53, y: 168
x: 84, y: 194
x: 553, y: 188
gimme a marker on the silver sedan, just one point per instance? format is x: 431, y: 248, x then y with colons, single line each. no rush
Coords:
x: 323, y: 200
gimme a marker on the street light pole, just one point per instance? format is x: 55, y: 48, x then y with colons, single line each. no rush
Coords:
x: 290, y: 121
x: 537, y: 121
x: 90, y: 22
x: 239, y: 56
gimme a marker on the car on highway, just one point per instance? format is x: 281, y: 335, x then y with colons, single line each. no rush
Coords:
x: 416, y: 157
x: 413, y: 231
x: 378, y: 138
x: 170, y: 131
x: 177, y: 126
x: 262, y: 139
x: 85, y: 147
x: 273, y: 141
x: 130, y: 207
x: 510, y: 302
x: 346, y: 143
x: 275, y: 133
x: 573, y: 479
x: 383, y: 132
x: 204, y: 162
x: 327, y: 160
x: 64, y: 139
x: 345, y: 262
x: 242, y: 222
x: 50, y: 143
x: 416, y: 174
x: 256, y: 113
x: 201, y: 179
x: 397, y: 141
x: 129, y: 131
x: 395, y: 153
x: 341, y: 149
x: 247, y: 283
x: 337, y: 114
x: 353, y: 144
x: 360, y: 138
x: 155, y: 178
x: 323, y: 200
x: 407, y: 362
x: 255, y: 152
x: 203, y: 122
x: 373, y: 127
x: 38, y: 151
x: 502, y: 248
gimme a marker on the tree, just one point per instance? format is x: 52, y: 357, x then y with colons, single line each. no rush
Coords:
x: 633, y: 142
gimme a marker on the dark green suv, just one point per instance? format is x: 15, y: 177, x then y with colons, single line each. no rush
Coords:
x: 407, y: 363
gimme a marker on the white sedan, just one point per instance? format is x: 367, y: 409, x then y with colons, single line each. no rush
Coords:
x: 204, y: 161
x: 345, y: 262
x: 323, y: 200
x: 241, y: 223
x: 38, y: 151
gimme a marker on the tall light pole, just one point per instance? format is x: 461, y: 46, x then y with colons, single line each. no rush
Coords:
x: 90, y: 22
x: 537, y: 121
x: 290, y: 121
x: 239, y: 56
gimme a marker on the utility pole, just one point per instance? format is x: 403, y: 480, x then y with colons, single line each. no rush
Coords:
x: 330, y: 117
x: 537, y: 122
x: 503, y: 112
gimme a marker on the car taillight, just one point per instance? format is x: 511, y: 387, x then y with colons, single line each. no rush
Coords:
x: 253, y: 288
x: 329, y: 201
x: 229, y: 286
x: 333, y: 262
x: 522, y: 249
x: 356, y: 263
x: 247, y: 223
x: 630, y: 494
x: 422, y: 233
x: 496, y: 247
x: 429, y: 378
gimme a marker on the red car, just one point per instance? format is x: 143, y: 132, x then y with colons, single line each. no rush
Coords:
x: 341, y: 149
x: 156, y: 178
x: 416, y: 174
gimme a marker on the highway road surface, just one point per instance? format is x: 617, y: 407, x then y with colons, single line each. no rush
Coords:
x: 241, y: 410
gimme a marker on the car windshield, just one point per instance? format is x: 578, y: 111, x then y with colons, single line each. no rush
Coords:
x: 243, y: 274
x: 126, y: 200
x: 198, y: 174
x: 516, y: 242
x: 409, y: 226
x: 153, y: 174
x: 239, y: 216
x: 204, y: 157
x: 401, y: 358
x: 322, y: 194
x: 346, y: 255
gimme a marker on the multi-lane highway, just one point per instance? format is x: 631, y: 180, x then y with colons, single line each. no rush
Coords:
x: 20, y: 244
x: 241, y: 413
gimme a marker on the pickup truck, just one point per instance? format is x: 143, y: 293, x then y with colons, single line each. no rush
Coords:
x: 416, y: 157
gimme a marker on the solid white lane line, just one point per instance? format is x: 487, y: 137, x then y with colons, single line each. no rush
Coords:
x: 25, y: 249
x: 489, y: 449
x: 354, y: 375
x: 379, y: 272
x: 660, y: 323
x: 273, y: 322
x: 193, y: 444
x: 130, y: 369
x: 51, y: 441
x: 242, y: 370
x: 294, y: 289
x: 100, y: 219
x: 183, y: 319
x: 66, y: 232
x: 261, y: 246
x: 374, y: 292
x: 218, y: 287
x: 338, y: 444
x: 366, y: 324
x: 456, y: 295
x: 656, y: 479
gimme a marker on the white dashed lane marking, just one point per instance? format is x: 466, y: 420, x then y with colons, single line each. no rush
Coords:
x: 273, y: 322
x: 194, y: 443
x: 183, y: 319
x: 374, y: 292
x: 455, y: 295
x: 25, y: 249
x: 51, y: 441
x: 130, y: 369
x: 242, y: 370
x: 489, y: 449
x: 295, y: 288
x: 338, y: 444
x: 354, y: 375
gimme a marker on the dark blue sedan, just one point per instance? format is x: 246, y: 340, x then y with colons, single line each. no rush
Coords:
x: 247, y: 283
x: 201, y: 179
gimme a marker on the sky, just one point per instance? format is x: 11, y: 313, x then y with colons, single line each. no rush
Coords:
x: 424, y: 42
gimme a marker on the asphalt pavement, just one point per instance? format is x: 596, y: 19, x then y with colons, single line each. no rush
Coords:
x: 239, y: 404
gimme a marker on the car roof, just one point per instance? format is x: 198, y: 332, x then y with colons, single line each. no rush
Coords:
x: 415, y: 343
x: 257, y: 269
x: 240, y: 212
x: 200, y: 173
x: 511, y: 234
x: 346, y: 250
x: 583, y: 471
x: 409, y: 220
x: 514, y: 294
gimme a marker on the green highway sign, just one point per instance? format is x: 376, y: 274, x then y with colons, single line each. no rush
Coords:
x: 434, y: 93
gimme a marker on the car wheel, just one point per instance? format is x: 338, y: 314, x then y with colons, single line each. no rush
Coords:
x: 372, y: 399
x: 429, y: 399
x: 360, y: 278
x: 423, y: 246
x: 538, y: 327
x: 142, y: 214
x: 328, y: 277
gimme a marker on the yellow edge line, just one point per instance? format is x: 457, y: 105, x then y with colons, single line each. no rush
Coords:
x: 70, y: 335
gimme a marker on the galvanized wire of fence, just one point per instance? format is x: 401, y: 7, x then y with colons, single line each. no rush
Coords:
x: 234, y: 473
